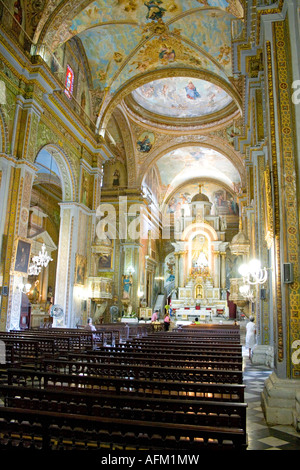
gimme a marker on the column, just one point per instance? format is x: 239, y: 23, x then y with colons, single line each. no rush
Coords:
x: 223, y: 270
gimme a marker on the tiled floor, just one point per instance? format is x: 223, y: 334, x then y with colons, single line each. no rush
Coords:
x: 260, y: 435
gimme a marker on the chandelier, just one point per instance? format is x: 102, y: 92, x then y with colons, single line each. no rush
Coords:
x: 246, y: 292
x: 39, y: 261
x: 253, y: 273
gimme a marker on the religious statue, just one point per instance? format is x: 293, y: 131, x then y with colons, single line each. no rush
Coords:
x: 127, y: 283
x: 116, y: 178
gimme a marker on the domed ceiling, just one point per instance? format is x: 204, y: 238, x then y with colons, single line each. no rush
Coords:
x: 125, y: 39
x: 181, y: 97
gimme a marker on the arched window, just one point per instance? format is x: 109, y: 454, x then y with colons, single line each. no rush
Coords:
x: 69, y: 82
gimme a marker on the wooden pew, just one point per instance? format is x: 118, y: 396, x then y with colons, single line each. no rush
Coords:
x: 146, y: 372
x: 26, y: 429
x: 158, y: 409
x: 121, y: 385
x: 164, y: 360
x: 105, y: 395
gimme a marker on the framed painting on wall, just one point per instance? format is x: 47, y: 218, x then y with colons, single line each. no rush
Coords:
x: 80, y: 270
x: 22, y: 257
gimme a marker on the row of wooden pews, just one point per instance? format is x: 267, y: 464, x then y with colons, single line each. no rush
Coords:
x: 166, y: 391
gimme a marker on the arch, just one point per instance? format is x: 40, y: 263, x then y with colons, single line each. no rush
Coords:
x: 206, y: 141
x: 146, y: 77
x: 67, y: 177
x: 128, y: 140
x: 199, y: 228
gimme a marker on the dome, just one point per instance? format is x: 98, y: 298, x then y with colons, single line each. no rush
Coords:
x: 240, y: 239
x: 200, y: 197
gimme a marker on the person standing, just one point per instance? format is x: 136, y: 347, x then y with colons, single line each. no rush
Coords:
x: 167, y: 322
x: 250, y: 335
x: 154, y: 316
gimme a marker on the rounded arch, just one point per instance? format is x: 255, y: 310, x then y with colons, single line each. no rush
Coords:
x: 199, y: 228
x: 209, y: 142
x: 66, y: 174
x: 128, y: 140
x: 144, y: 78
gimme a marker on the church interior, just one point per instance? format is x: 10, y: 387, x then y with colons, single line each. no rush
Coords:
x: 150, y: 162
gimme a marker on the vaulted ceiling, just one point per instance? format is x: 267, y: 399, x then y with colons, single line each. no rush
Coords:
x: 159, y: 67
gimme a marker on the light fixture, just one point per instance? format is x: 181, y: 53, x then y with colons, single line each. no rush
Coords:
x: 246, y: 292
x: 34, y: 269
x: 43, y: 258
x: 253, y: 273
x: 39, y: 261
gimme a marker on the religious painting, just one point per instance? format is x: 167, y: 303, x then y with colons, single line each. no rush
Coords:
x: 225, y: 203
x: 145, y: 142
x: 22, y: 257
x: 155, y: 10
x: 116, y: 26
x: 105, y: 261
x: 18, y: 17
x: 87, y: 186
x: 181, y: 97
x: 80, y: 269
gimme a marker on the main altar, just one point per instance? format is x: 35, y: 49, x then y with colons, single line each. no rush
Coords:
x: 199, y: 264
x: 199, y: 299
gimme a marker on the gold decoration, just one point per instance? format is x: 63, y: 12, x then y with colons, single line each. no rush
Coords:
x: 269, y: 209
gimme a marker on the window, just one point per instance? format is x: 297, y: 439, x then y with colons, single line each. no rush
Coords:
x: 69, y: 82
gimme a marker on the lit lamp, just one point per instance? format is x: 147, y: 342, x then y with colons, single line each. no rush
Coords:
x: 253, y: 273
x: 246, y: 292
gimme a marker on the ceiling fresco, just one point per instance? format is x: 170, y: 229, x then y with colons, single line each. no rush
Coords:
x: 223, y: 201
x: 187, y: 163
x: 123, y: 38
x: 181, y: 97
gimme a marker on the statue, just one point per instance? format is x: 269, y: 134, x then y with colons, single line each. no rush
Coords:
x: 127, y: 283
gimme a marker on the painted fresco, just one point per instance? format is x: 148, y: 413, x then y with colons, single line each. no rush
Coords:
x: 145, y: 142
x: 186, y: 163
x: 223, y: 202
x: 181, y: 97
x: 125, y: 37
